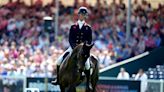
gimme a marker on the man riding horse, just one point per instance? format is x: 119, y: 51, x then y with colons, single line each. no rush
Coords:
x: 80, y: 32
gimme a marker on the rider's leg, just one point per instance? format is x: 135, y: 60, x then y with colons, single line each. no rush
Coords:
x: 87, y: 64
x: 62, y: 57
x: 59, y: 61
x: 57, y: 76
x: 87, y: 72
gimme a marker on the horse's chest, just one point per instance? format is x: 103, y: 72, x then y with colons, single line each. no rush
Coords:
x: 71, y: 76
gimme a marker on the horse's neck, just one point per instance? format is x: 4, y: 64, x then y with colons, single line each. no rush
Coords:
x: 72, y: 62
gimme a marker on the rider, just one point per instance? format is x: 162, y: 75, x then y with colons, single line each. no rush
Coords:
x: 79, y: 32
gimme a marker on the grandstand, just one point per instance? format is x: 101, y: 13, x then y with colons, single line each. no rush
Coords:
x: 156, y: 73
x: 28, y: 50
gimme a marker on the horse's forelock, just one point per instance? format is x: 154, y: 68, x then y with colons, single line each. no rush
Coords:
x: 82, y: 47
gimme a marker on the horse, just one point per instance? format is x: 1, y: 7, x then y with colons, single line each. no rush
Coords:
x: 69, y: 75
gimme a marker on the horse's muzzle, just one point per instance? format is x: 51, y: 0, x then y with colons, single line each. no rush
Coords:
x: 81, y: 70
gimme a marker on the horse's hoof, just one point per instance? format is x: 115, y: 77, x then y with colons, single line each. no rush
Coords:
x: 89, y: 89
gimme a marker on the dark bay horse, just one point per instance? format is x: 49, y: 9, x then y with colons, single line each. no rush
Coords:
x: 69, y: 75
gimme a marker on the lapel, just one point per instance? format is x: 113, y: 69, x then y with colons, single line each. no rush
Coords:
x: 79, y: 26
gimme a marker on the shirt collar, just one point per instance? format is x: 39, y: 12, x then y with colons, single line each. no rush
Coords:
x: 80, y: 22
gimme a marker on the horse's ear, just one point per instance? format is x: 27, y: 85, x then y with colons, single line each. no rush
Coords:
x: 92, y: 45
x: 85, y: 43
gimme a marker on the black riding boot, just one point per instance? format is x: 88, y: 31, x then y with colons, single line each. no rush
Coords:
x: 56, y: 82
x: 89, y: 85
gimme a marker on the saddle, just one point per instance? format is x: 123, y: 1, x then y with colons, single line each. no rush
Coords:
x: 66, y: 55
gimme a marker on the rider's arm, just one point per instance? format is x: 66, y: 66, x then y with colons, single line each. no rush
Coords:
x: 89, y: 36
x: 72, y: 39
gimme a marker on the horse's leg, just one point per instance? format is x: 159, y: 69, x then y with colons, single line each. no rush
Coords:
x: 62, y: 89
x: 95, y: 74
x: 72, y: 89
x: 94, y: 80
x: 94, y: 88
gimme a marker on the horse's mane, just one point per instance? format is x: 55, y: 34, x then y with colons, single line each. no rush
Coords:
x: 74, y: 53
x: 76, y: 49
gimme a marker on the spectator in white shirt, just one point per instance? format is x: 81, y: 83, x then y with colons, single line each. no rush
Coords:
x: 143, y: 78
x: 123, y: 75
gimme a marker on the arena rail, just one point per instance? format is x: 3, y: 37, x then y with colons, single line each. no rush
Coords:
x: 124, y: 62
x: 19, y: 84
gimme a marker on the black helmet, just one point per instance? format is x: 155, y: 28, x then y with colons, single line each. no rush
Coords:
x: 83, y: 10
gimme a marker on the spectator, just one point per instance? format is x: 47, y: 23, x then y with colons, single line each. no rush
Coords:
x: 21, y: 71
x: 2, y: 56
x: 143, y: 78
x: 123, y: 75
x: 162, y: 36
x: 38, y: 72
x: 105, y: 59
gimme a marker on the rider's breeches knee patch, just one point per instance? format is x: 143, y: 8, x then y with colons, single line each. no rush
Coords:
x: 60, y: 59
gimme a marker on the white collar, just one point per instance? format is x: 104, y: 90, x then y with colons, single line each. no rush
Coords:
x: 80, y: 22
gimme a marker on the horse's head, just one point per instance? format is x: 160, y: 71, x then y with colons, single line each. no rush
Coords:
x: 82, y: 54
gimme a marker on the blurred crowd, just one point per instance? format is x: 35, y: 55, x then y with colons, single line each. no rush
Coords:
x: 27, y: 49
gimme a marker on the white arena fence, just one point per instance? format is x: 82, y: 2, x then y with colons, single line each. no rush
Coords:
x: 105, y: 84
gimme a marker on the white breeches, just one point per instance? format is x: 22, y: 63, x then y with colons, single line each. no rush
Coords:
x: 60, y: 59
